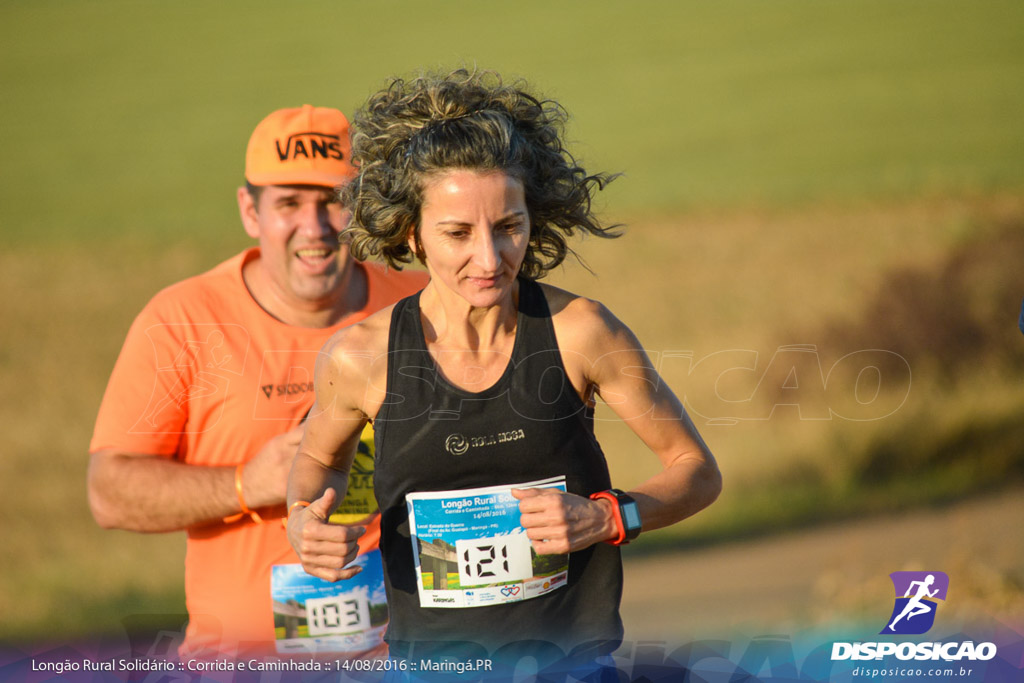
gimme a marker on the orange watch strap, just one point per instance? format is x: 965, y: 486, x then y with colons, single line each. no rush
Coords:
x: 616, y: 515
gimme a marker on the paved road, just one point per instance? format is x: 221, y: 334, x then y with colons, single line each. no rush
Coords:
x: 824, y: 575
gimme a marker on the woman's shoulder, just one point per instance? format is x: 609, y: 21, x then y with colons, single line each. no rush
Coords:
x: 366, y: 339
x: 580, y: 320
x: 353, y: 363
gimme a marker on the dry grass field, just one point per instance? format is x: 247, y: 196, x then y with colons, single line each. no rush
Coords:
x: 742, y: 287
x: 744, y: 283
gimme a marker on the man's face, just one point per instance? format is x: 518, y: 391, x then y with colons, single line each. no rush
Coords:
x: 300, y: 257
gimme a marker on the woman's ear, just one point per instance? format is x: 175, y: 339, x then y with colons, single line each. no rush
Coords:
x: 414, y: 245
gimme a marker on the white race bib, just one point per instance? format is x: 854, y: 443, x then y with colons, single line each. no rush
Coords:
x: 312, y: 615
x: 471, y: 550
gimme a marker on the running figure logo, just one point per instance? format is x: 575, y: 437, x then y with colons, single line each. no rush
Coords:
x: 916, y: 596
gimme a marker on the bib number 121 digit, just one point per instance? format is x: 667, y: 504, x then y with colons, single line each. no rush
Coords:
x: 498, y: 559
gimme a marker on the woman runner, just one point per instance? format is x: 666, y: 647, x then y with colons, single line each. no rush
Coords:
x: 486, y: 378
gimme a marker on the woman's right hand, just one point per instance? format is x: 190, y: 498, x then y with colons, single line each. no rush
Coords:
x: 324, y: 549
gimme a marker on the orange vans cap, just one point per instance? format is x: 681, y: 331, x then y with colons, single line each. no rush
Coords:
x: 306, y: 145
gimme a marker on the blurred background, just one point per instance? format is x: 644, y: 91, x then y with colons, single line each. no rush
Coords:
x: 824, y: 211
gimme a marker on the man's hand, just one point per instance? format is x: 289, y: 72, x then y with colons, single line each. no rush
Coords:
x: 324, y: 549
x: 265, y: 477
x: 558, y: 522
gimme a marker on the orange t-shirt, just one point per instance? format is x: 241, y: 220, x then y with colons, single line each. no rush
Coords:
x: 207, y: 377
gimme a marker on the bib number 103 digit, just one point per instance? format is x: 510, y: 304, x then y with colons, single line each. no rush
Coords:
x: 345, y: 613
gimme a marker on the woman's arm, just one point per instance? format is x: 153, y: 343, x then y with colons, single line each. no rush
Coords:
x: 627, y: 381
x: 601, y: 352
x: 319, y: 474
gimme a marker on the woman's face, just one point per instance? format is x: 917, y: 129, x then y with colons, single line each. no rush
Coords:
x: 474, y: 230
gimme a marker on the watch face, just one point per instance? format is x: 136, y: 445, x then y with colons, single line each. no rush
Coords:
x: 631, y: 515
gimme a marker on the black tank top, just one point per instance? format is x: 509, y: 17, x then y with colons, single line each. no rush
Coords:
x: 530, y: 425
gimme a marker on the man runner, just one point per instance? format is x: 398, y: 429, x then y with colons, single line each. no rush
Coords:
x: 201, y: 417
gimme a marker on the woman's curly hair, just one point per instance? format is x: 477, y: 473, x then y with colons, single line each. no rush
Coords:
x: 414, y: 129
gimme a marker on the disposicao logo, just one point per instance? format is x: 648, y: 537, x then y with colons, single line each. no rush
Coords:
x: 917, y: 596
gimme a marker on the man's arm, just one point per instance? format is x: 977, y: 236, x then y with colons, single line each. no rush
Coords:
x: 152, y: 493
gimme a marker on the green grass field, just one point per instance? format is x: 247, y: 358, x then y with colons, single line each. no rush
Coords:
x: 130, y: 119
x: 848, y: 176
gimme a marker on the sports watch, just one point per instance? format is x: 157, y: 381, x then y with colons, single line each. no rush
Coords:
x: 625, y: 512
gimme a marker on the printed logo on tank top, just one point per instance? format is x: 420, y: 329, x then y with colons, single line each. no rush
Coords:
x: 460, y: 444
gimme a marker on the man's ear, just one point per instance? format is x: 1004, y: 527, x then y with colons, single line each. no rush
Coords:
x: 248, y: 213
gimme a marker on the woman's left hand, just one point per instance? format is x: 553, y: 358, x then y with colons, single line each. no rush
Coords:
x: 558, y: 522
